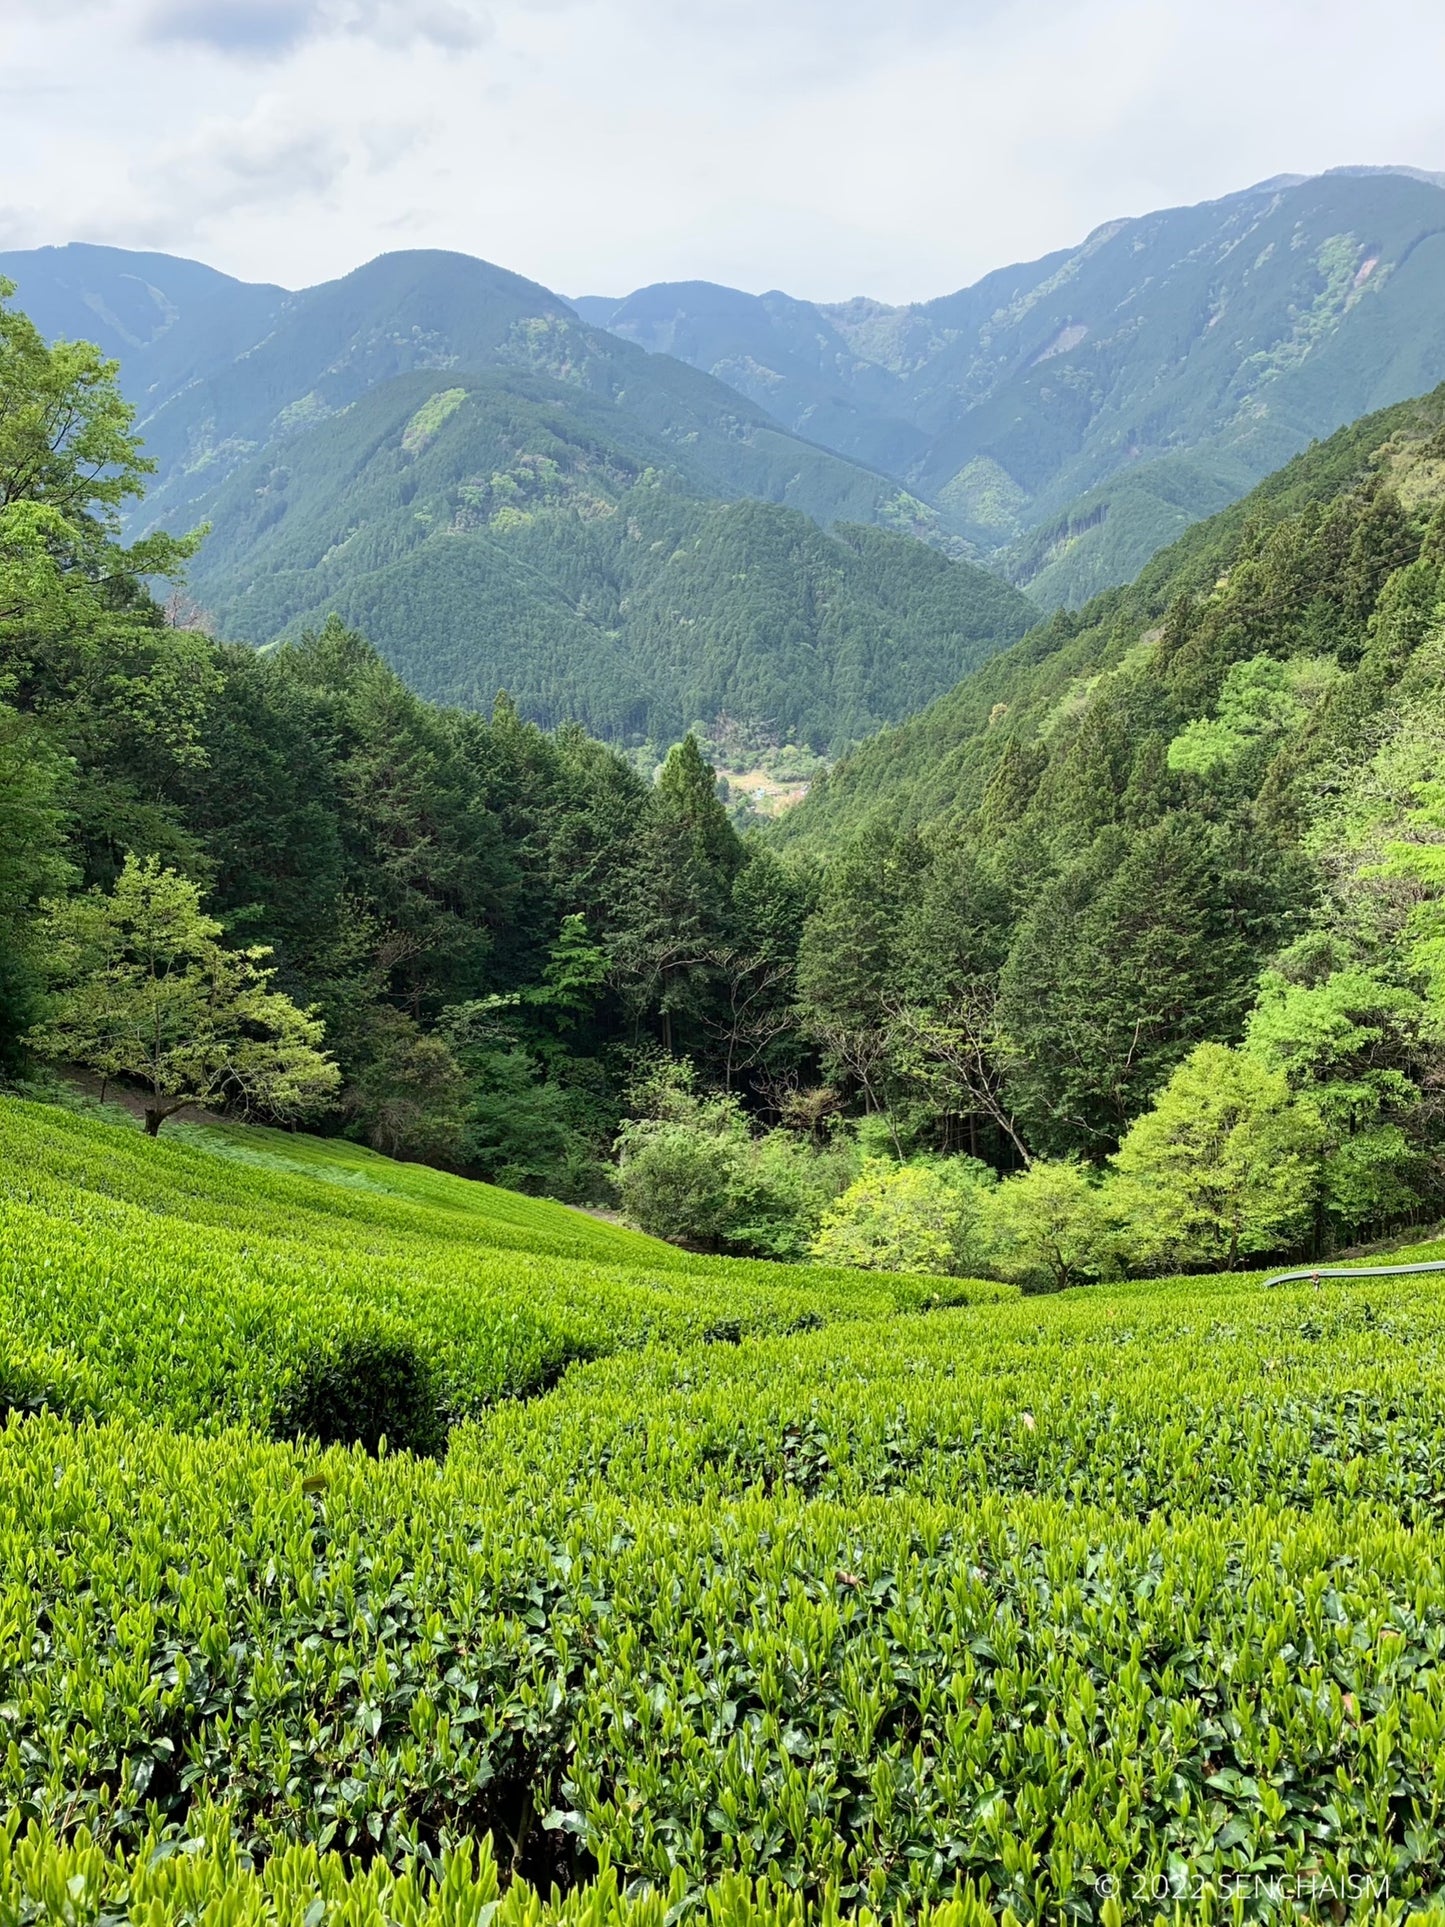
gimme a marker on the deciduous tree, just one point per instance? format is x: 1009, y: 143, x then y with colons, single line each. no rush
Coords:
x: 1226, y: 1164
x: 146, y: 990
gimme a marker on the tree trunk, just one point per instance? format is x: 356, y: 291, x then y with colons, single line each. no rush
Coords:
x: 154, y: 1121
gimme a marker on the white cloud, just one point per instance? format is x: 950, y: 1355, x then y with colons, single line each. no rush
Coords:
x: 268, y: 160
x: 824, y: 146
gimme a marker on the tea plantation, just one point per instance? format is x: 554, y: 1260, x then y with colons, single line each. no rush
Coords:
x: 634, y: 1588
x: 299, y: 1287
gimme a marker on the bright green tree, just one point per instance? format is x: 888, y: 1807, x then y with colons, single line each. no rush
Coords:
x: 1049, y: 1226
x: 1261, y: 700
x: 908, y: 1217
x: 146, y: 990
x: 76, y: 622
x: 1417, y: 860
x: 572, y: 978
x: 1355, y: 1045
x: 1225, y: 1164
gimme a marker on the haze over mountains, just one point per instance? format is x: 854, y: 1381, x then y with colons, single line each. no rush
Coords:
x: 692, y: 502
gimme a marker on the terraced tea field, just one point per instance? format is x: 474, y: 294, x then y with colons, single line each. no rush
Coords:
x: 792, y: 1598
x: 244, y: 1277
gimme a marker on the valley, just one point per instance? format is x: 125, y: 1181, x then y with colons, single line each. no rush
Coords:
x: 720, y: 1018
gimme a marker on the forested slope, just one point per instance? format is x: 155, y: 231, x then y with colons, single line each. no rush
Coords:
x: 1166, y: 865
x: 510, y: 531
x: 937, y: 764
x: 1205, y: 811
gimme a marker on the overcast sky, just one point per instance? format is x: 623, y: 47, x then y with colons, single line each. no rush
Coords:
x: 898, y: 148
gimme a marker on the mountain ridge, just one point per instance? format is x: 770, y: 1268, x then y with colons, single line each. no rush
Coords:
x: 443, y: 453
x: 1063, y: 419
x: 1045, y: 382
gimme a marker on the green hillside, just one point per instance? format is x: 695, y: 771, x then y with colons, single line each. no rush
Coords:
x: 1154, y: 1565
x: 1071, y: 415
x: 235, y: 1276
x: 419, y: 311
x: 380, y: 1548
x: 506, y: 531
x: 938, y: 764
x: 1179, y: 843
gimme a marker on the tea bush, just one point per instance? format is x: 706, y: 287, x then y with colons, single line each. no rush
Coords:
x: 1125, y: 1603
x: 874, y: 1699
x: 284, y: 1287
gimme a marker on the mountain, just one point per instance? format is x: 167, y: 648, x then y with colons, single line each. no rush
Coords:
x: 220, y: 370
x: 425, y: 310
x: 786, y: 355
x: 168, y: 322
x: 460, y: 459
x: 507, y: 530
x: 503, y: 496
x: 1069, y: 416
x: 1157, y: 651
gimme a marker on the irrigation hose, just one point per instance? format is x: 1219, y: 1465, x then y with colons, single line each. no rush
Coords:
x: 1351, y: 1271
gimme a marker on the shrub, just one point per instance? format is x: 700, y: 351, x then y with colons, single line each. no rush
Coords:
x: 909, y: 1217
x: 361, y: 1388
x: 1049, y: 1227
x: 693, y: 1173
x: 37, y: 1378
x: 676, y: 1181
x: 781, y: 1187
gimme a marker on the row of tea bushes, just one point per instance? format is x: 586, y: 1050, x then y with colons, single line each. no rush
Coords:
x: 162, y: 1280
x: 71, y: 1883
x: 1188, y: 1395
x: 878, y: 1699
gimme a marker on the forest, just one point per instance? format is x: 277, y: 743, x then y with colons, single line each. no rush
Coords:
x: 509, y: 532
x: 1126, y: 955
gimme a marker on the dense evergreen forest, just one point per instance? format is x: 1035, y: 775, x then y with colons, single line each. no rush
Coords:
x: 1145, y: 916
x: 508, y: 532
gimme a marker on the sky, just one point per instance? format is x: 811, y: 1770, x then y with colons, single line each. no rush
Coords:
x: 896, y: 148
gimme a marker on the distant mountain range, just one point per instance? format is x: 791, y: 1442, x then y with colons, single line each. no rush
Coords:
x: 1068, y: 417
x: 694, y: 503
x: 505, y: 497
